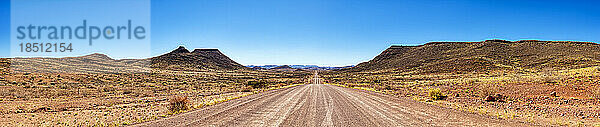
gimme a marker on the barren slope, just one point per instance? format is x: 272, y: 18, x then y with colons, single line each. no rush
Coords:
x: 93, y: 63
x: 490, y: 55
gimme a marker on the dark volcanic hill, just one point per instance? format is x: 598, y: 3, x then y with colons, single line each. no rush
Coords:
x: 199, y: 59
x: 178, y: 59
x: 489, y: 55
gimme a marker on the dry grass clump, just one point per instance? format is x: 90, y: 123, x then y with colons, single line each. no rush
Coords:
x: 491, y: 93
x: 257, y: 84
x: 595, y: 91
x: 246, y: 89
x: 487, y: 90
x: 549, y: 76
x: 178, y: 104
x: 436, y: 94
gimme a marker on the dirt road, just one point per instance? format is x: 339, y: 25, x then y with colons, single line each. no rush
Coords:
x: 326, y: 105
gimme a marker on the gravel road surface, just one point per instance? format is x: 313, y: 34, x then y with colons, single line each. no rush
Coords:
x: 326, y: 105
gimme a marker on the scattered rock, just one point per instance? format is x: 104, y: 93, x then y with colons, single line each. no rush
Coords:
x: 20, y: 111
x: 42, y: 109
x: 499, y: 97
x: 127, y: 92
x: 553, y: 94
x: 489, y: 98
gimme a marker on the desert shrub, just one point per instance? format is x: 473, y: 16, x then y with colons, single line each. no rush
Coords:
x: 388, y: 87
x: 376, y: 81
x: 549, y: 79
x: 256, y: 84
x: 127, y: 92
x: 471, y: 81
x: 352, y: 85
x: 178, y: 104
x: 436, y: 94
x: 246, y: 89
x: 549, y: 76
x: 383, y: 87
x: 487, y: 90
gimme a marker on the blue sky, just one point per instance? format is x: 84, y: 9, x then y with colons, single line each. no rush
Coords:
x: 99, y: 13
x: 345, y: 32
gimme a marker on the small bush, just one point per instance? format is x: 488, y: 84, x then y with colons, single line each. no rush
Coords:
x: 436, y: 94
x: 246, y: 89
x: 127, y: 92
x: 487, y: 90
x: 178, y: 104
x: 256, y: 84
x: 352, y: 85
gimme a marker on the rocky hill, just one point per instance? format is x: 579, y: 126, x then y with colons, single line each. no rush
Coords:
x: 489, y: 55
x: 93, y: 63
x: 178, y: 59
x: 199, y: 59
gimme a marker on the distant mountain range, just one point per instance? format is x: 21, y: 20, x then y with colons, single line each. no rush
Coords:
x: 306, y: 67
x: 180, y: 59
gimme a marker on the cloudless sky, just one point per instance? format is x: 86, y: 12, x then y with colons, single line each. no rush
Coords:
x: 346, y: 32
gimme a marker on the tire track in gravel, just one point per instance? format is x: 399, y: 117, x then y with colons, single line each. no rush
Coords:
x: 239, y: 117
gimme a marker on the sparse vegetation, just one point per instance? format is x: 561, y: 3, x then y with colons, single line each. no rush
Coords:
x: 116, y: 99
x: 436, y: 94
x: 256, y: 84
x: 532, y: 81
x: 179, y: 104
x: 487, y: 90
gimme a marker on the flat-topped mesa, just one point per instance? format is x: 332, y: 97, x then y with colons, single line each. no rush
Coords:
x: 484, y: 56
x: 574, y: 42
x: 466, y: 42
x: 401, y: 46
x: 206, y: 51
x: 97, y: 56
x: 180, y: 49
x: 198, y: 59
x: 506, y: 41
